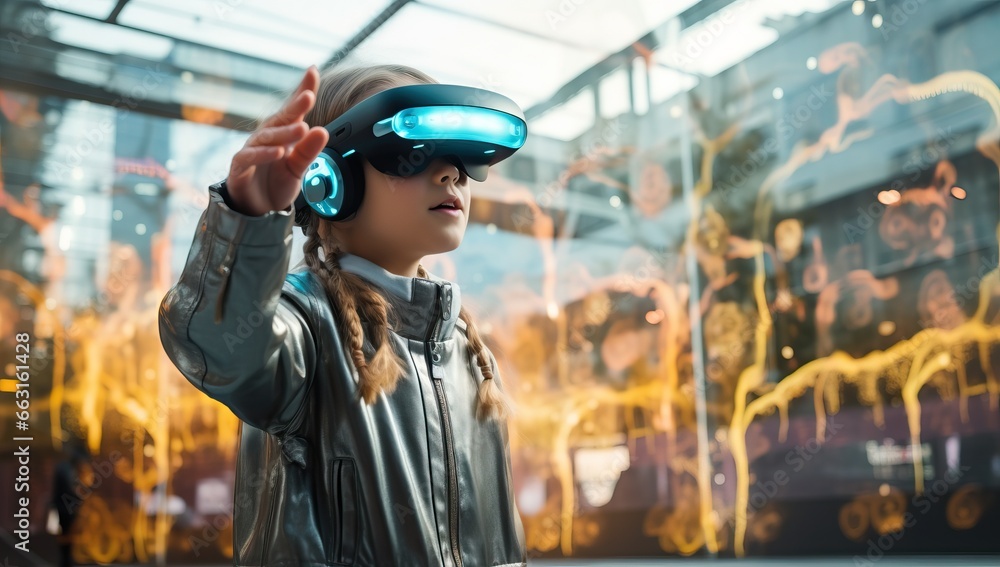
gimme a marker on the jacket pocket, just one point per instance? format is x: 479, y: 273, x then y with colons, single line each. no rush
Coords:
x: 342, y: 540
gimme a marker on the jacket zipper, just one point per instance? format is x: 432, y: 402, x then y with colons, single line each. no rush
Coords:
x: 437, y: 373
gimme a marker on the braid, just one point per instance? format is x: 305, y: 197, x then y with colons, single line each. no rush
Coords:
x: 493, y: 403
x: 354, y: 299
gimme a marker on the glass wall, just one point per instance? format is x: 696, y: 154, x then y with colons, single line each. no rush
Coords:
x: 99, y: 205
x: 757, y: 312
x: 741, y: 281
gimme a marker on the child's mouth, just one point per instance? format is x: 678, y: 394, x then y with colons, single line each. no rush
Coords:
x: 448, y: 209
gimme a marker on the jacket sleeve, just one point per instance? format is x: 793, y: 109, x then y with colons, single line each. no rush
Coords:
x: 226, y: 325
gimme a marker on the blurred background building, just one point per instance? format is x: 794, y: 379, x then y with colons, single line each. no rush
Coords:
x: 742, y: 279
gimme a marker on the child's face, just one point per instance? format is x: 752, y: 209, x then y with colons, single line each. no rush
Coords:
x: 398, y: 224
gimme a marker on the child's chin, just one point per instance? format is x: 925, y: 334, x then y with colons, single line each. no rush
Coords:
x: 446, y: 244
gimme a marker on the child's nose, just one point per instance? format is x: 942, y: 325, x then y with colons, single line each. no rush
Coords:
x: 444, y: 172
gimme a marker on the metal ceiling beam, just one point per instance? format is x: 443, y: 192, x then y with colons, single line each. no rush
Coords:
x: 177, y: 40
x: 51, y: 85
x: 50, y: 50
x: 113, y: 16
x: 365, y: 32
x: 230, y: 25
x: 31, y: 68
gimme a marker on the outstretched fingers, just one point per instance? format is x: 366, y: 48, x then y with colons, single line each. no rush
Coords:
x: 301, y: 101
x: 309, y: 82
x: 249, y: 157
x: 278, y: 135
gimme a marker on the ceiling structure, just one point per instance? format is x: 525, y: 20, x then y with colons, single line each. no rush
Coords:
x: 547, y: 56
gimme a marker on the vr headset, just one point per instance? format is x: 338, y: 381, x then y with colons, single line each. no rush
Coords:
x: 400, y: 131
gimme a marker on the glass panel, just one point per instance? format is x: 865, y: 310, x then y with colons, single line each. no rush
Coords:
x: 93, y: 8
x: 607, y: 24
x: 568, y: 120
x: 614, y: 94
x: 776, y: 292
x: 458, y: 49
x: 97, y: 210
x: 665, y: 83
x: 733, y: 34
x: 640, y: 86
x: 234, y: 29
x: 105, y: 38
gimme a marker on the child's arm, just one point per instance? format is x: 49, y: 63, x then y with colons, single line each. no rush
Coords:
x: 225, y: 324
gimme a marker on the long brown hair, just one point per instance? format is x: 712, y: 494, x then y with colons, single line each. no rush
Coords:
x: 354, y: 299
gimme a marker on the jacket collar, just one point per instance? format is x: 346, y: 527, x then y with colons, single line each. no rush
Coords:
x: 420, y: 304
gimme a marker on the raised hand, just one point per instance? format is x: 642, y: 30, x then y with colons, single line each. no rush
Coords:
x: 266, y: 174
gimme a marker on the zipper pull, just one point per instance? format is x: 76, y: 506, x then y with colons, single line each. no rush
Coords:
x: 437, y: 371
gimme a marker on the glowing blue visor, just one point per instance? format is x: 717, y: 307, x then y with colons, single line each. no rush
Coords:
x: 467, y: 123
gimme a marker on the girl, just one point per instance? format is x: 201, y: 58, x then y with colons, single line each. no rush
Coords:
x: 352, y: 452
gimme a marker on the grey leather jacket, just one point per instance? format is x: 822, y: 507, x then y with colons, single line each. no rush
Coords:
x: 322, y: 478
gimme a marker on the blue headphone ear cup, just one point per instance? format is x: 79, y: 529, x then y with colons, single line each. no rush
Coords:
x: 330, y: 188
